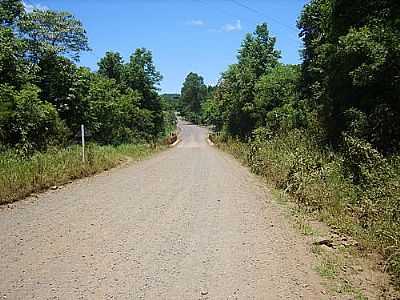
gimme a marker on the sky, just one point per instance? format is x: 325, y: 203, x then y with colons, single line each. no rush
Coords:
x: 185, y: 36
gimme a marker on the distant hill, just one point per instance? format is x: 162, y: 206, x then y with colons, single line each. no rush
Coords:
x: 174, y: 97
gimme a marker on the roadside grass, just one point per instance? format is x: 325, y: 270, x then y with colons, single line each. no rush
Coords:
x: 297, y: 213
x: 317, y: 181
x: 337, y: 270
x: 327, y: 268
x: 332, y: 264
x: 21, y: 176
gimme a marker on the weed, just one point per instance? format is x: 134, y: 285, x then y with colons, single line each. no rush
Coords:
x: 305, y: 228
x: 363, y: 205
x: 327, y: 268
x: 20, y: 176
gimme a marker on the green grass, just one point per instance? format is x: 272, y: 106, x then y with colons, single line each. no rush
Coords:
x: 317, y: 180
x: 21, y: 176
x: 327, y: 269
x: 304, y: 227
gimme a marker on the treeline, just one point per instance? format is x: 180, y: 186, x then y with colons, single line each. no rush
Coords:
x: 326, y: 131
x: 45, y: 96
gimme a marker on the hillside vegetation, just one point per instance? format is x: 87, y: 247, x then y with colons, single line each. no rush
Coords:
x: 327, y: 131
x: 45, y: 97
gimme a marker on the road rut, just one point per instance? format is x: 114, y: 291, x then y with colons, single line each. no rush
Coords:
x: 189, y: 223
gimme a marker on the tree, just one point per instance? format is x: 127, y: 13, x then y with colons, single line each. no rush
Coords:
x: 45, y: 96
x: 27, y: 122
x: 140, y: 73
x: 56, y: 75
x: 193, y: 93
x: 258, y: 52
x: 102, y: 96
x: 13, y: 68
x: 117, y: 117
x: 212, y: 113
x: 53, y: 33
x: 111, y: 66
x: 277, y: 101
x: 352, y: 63
x: 10, y: 11
x: 236, y: 90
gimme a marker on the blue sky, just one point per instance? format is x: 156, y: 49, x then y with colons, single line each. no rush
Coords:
x: 200, y: 36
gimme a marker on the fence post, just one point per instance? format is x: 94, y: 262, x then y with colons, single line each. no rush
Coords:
x: 83, y: 142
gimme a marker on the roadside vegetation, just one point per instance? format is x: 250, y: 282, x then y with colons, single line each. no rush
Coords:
x: 327, y: 132
x: 193, y: 94
x: 45, y: 97
x: 21, y: 176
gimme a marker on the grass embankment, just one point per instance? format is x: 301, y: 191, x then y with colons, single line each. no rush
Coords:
x: 356, y: 191
x: 21, y: 176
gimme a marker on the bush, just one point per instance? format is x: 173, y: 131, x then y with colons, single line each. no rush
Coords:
x: 28, y: 123
x: 116, y: 117
x: 356, y: 190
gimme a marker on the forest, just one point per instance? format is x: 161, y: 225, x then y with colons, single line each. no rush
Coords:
x: 45, y: 97
x: 327, y: 131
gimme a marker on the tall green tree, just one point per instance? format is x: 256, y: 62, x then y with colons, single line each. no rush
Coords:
x: 193, y: 94
x: 140, y: 74
x: 53, y: 33
x: 45, y: 96
x: 14, y: 69
x: 111, y: 66
x: 258, y: 53
x: 257, y: 56
x: 115, y: 116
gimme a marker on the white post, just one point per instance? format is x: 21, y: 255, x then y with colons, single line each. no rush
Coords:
x: 83, y: 142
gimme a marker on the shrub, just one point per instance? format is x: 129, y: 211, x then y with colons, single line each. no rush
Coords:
x: 357, y: 189
x: 27, y: 122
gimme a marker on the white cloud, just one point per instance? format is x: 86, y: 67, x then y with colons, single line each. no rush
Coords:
x: 30, y: 7
x: 197, y: 23
x: 232, y: 27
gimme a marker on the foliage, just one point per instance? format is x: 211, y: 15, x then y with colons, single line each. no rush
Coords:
x: 257, y: 53
x: 170, y: 101
x: 117, y: 117
x: 10, y: 11
x: 235, y: 94
x: 13, y: 68
x: 27, y: 122
x: 111, y: 66
x: 20, y: 176
x: 193, y: 94
x: 352, y: 61
x: 317, y: 179
x: 140, y: 74
x: 212, y: 113
x: 277, y: 105
x: 45, y: 96
x: 56, y: 76
x: 327, y: 133
x: 53, y: 33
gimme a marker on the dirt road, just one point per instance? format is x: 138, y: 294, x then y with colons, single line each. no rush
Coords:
x: 190, y: 223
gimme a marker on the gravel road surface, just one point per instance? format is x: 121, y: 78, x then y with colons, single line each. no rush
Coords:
x: 189, y: 223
